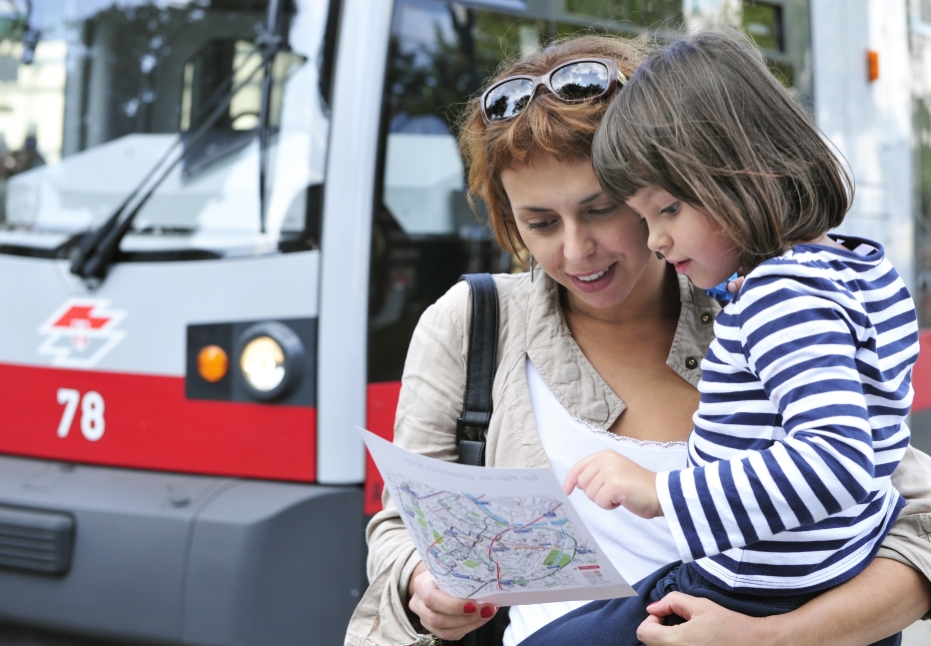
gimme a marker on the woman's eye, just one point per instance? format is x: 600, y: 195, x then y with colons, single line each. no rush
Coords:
x: 604, y: 211
x: 538, y: 226
x: 672, y: 209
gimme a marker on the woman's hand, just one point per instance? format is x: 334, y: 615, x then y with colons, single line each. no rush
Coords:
x: 610, y: 481
x: 706, y: 624
x: 885, y: 598
x: 443, y: 615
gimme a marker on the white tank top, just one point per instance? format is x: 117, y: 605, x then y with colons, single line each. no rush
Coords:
x: 636, y: 546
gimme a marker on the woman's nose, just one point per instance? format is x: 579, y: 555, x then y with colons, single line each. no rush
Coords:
x: 578, y: 244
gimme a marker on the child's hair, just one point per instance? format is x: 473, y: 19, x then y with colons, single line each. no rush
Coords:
x: 704, y: 119
x: 546, y: 127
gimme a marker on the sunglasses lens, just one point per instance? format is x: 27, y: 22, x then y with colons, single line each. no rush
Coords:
x: 580, y: 81
x: 508, y: 99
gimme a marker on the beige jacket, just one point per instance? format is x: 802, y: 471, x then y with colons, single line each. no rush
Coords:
x: 531, y: 324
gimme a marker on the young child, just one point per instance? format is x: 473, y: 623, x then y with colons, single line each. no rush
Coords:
x: 804, y: 393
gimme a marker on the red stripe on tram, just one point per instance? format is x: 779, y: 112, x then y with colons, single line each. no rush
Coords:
x: 147, y: 422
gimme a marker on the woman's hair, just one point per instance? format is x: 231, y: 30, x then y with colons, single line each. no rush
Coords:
x: 705, y: 120
x: 546, y: 127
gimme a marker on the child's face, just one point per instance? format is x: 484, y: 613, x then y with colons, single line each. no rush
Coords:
x: 686, y: 237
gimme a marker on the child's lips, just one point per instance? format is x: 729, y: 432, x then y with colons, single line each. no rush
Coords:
x: 681, y: 265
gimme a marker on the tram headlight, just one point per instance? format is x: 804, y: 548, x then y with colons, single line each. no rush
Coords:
x: 270, y: 357
x: 262, y: 363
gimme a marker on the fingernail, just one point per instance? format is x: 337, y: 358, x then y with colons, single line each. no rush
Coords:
x: 653, y: 604
x: 469, y: 608
x: 487, y: 612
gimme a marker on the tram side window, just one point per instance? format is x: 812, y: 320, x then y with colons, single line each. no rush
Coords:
x: 781, y: 29
x: 922, y: 129
x: 425, y: 234
x: 644, y: 13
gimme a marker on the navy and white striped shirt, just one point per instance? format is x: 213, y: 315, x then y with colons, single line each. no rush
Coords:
x: 804, y: 393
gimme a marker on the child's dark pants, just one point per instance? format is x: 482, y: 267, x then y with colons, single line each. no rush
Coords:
x: 615, y: 622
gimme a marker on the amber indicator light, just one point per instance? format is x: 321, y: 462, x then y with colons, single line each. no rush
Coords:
x: 212, y: 363
x: 872, y: 65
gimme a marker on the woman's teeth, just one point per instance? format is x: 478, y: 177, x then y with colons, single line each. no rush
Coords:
x: 593, y: 277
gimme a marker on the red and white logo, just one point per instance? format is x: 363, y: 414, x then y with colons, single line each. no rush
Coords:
x: 80, y: 332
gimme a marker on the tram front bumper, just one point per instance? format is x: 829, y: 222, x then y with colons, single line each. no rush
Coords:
x: 180, y: 559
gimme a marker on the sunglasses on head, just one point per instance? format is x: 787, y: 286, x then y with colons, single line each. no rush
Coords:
x: 572, y: 82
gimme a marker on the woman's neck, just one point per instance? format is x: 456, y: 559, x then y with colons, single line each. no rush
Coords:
x: 628, y: 346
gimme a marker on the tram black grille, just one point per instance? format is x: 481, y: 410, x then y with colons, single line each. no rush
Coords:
x: 34, y: 540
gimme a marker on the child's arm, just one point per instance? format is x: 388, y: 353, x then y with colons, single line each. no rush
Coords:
x: 610, y: 480
x: 803, y: 348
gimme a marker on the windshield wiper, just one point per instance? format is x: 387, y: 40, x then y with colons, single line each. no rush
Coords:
x: 97, y: 250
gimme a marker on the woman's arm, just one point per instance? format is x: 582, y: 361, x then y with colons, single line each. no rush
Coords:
x: 882, y: 600
x: 394, y: 610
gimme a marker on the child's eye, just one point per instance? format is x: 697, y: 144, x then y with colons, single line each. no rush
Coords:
x: 672, y: 209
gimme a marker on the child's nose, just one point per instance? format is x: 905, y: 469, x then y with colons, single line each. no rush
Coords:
x: 657, y: 240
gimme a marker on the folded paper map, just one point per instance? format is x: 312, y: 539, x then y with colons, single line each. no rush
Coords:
x: 502, y: 536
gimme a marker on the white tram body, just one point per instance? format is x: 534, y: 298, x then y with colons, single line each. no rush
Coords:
x: 285, y: 172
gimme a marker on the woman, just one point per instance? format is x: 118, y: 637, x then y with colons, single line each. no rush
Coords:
x: 598, y: 346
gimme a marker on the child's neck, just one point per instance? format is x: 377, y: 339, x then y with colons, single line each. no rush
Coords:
x: 825, y: 241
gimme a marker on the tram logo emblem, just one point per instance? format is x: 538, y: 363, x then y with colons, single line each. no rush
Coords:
x: 80, y: 332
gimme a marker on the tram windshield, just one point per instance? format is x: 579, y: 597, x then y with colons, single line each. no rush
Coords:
x: 164, y: 100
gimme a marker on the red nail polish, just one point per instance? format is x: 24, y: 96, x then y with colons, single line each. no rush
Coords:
x: 469, y: 608
x: 487, y: 612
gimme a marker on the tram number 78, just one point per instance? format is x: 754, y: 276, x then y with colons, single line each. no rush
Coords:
x: 92, y: 421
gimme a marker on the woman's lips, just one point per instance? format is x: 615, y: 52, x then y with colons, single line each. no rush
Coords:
x: 595, y: 285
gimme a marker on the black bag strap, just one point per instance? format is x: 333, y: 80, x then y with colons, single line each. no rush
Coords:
x: 472, y: 425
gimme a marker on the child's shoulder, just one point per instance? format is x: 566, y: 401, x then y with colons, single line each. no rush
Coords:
x: 858, y: 265
x: 810, y: 277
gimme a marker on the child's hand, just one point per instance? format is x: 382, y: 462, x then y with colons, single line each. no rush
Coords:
x: 733, y: 286
x: 610, y: 480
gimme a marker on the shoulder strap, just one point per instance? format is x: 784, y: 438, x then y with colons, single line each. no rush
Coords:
x: 472, y: 426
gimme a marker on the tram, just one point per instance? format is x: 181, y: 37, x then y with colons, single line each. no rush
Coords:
x: 220, y: 221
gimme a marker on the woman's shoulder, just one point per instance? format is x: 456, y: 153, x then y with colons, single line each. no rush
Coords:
x: 456, y: 302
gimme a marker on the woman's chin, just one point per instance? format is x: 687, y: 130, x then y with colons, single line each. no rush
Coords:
x: 605, y: 299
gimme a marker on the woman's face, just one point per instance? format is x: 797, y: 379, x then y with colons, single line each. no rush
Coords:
x: 592, y: 246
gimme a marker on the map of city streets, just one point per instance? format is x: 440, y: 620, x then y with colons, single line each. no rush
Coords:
x: 481, y: 545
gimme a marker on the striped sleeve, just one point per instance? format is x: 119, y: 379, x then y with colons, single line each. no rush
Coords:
x: 801, y: 346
